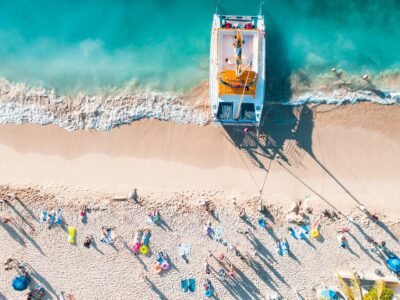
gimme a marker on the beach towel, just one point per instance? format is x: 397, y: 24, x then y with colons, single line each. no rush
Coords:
x: 52, y: 219
x: 185, y: 250
x: 279, y: 249
x: 305, y: 229
x: 217, y: 233
x: 59, y: 217
x: 192, y: 285
x: 43, y: 216
x: 146, y: 238
x: 184, y: 285
x: 285, y: 247
x: 293, y: 233
x: 107, y: 239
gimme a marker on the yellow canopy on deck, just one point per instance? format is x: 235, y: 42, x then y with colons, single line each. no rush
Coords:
x: 230, y: 84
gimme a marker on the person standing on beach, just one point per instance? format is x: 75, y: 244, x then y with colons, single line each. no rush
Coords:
x: 207, y: 267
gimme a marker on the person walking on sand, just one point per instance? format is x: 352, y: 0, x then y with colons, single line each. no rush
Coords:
x: 221, y: 258
x: 82, y: 214
x: 231, y: 270
x: 207, y: 267
x: 278, y: 247
x: 208, y: 231
x: 88, y: 241
x: 343, y: 241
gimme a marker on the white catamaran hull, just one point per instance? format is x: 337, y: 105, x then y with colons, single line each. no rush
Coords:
x: 237, y: 69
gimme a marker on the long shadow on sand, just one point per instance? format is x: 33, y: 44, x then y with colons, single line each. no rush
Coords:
x: 285, y: 132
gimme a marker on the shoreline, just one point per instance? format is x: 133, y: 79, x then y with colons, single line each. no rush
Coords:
x: 342, y: 155
x: 333, y: 158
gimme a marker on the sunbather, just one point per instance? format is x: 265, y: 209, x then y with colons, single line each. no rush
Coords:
x: 10, y: 264
x: 58, y: 217
x: 222, y: 274
x: 145, y: 236
x: 154, y: 215
x: 87, y: 242
x: 208, y: 229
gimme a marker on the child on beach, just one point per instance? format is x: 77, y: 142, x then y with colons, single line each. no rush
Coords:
x: 343, y: 241
x: 82, y: 214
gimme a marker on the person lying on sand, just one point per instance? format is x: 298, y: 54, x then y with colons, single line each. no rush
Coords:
x: 87, y: 242
x: 10, y: 264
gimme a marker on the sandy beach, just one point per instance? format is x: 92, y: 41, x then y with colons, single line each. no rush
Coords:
x: 335, y: 157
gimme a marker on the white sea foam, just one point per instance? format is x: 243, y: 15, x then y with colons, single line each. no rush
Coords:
x: 344, y: 96
x: 21, y: 104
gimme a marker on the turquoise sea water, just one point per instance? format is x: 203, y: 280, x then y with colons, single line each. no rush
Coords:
x: 163, y: 45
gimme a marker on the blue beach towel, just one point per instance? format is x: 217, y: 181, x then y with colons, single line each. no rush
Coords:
x: 217, y: 233
x: 285, y: 247
x: 184, y: 285
x: 192, y: 285
x: 293, y: 233
x: 279, y: 249
x: 43, y: 216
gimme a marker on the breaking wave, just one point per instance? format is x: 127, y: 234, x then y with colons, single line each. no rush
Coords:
x: 22, y: 104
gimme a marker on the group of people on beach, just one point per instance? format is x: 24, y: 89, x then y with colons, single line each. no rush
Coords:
x: 51, y: 218
x: 226, y: 269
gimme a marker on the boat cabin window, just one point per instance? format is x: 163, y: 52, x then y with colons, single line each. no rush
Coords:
x: 225, y: 111
x: 247, y: 111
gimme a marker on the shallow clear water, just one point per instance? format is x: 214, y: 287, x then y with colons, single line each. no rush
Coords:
x: 89, y: 45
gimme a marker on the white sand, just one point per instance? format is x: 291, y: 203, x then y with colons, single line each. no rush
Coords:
x: 338, y: 156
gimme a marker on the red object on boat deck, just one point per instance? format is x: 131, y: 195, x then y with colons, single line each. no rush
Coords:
x: 228, y: 25
x: 248, y: 26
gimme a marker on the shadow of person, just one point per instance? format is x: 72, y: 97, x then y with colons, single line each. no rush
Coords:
x: 156, y: 290
x: 13, y: 233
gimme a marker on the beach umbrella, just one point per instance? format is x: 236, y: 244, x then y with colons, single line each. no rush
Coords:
x: 20, y: 283
x: 262, y: 223
x: 208, y: 293
x: 329, y: 294
x: 393, y: 264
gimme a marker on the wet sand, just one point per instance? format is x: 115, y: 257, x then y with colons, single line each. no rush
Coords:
x: 339, y: 156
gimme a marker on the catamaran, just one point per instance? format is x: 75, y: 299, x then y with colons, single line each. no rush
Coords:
x: 237, y: 69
